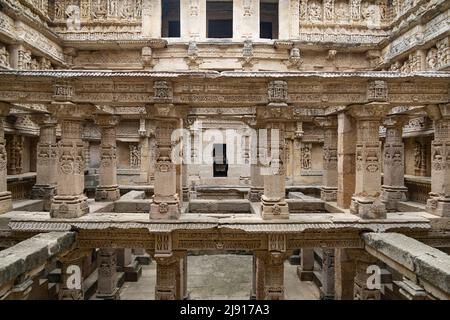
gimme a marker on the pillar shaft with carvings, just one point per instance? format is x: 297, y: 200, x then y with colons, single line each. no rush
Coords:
x: 362, y: 288
x: 70, y: 202
x: 330, y: 174
x: 393, y: 189
x: 274, y: 205
x: 171, y: 270
x: 5, y: 195
x: 15, y: 151
x: 365, y: 201
x: 108, y: 189
x: 256, y: 178
x: 439, y: 202
x: 166, y: 204
x: 107, y: 274
x: 47, y: 162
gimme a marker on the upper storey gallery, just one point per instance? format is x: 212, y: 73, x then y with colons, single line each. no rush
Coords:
x: 197, y: 34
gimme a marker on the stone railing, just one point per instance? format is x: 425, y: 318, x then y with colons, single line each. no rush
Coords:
x: 20, y: 185
x: 418, y: 188
x: 425, y: 270
x: 20, y: 264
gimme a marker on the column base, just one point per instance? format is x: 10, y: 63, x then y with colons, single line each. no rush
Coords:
x: 5, y: 202
x: 274, y: 209
x: 69, y: 207
x: 255, y: 194
x: 438, y: 206
x: 45, y: 193
x: 368, y: 207
x: 107, y: 193
x: 390, y: 195
x: 186, y: 194
x: 305, y: 275
x: 109, y: 296
x: 328, y: 194
x: 165, y: 210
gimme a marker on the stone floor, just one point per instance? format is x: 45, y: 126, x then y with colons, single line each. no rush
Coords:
x: 219, y: 277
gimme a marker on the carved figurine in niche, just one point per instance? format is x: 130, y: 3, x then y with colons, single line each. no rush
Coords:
x: 328, y: 9
x: 303, y: 9
x: 432, y: 61
x: 112, y: 8
x: 4, y: 57
x: 341, y: 11
x: 138, y: 9
x: 59, y: 10
x: 306, y: 157
x: 126, y: 10
x: 98, y: 9
x: 315, y: 11
x: 417, y: 156
x: 135, y: 156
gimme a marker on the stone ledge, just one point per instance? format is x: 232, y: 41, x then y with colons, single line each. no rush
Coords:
x: 31, y: 253
x: 429, y: 264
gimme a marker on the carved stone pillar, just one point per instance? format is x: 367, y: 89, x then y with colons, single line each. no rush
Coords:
x: 274, y: 205
x: 306, y: 268
x: 15, y: 150
x: 345, y: 261
x: 439, y: 202
x: 151, y: 18
x: 274, y: 267
x: 70, y: 202
x: 365, y: 201
x: 166, y: 204
x: 346, y: 159
x: 330, y: 158
x: 108, y: 189
x: 328, y: 274
x: 193, y: 20
x: 362, y: 291
x: 260, y: 274
x: 47, y: 166
x: 5, y: 195
x: 256, y: 168
x: 171, y: 271
x: 71, y: 286
x: 107, y: 274
x: 393, y: 188
x: 246, y: 19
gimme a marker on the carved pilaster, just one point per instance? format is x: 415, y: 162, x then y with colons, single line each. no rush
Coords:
x: 439, y: 202
x: 5, y: 196
x: 362, y: 291
x: 15, y: 151
x: 71, y: 285
x: 47, y: 162
x: 330, y: 175
x: 108, y: 189
x: 107, y: 275
x: 166, y: 204
x: 70, y: 201
x: 328, y: 274
x: 274, y: 205
x: 171, y: 270
x: 365, y: 201
x: 393, y: 189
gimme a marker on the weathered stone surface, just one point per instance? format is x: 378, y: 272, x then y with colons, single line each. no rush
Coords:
x: 32, y: 253
x: 428, y: 263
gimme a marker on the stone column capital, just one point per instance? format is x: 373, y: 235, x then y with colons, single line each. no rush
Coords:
x: 106, y: 120
x: 327, y: 122
x: 44, y: 120
x: 395, y: 121
x: 70, y: 110
x: 371, y: 111
x: 4, y: 108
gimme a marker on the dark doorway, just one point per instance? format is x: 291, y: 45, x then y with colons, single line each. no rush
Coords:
x: 170, y: 20
x: 220, y: 163
x: 219, y: 19
x: 268, y: 19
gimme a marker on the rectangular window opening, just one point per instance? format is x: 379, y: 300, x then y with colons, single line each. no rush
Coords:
x: 220, y: 163
x: 170, y: 19
x: 219, y: 19
x: 268, y: 19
